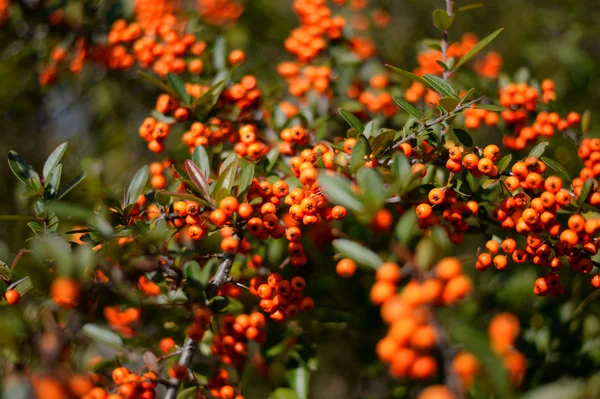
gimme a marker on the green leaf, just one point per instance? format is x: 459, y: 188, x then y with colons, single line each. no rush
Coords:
x: 22, y: 286
x: 585, y: 191
x: 539, y: 149
x: 400, y: 168
x: 246, y: 176
x: 444, y: 66
x: 503, y: 163
x: 407, y: 74
x: 426, y: 253
x: 442, y: 20
x: 352, y: 120
x: 490, y: 107
x: 368, y: 130
x: 299, y: 379
x: 477, y: 343
x: 102, y: 334
x: 477, y: 48
x: 464, y: 137
x: 201, y: 159
x: 372, y: 187
x: 357, y: 252
x: 54, y: 159
x: 218, y: 303
x: 178, y: 85
x: 193, y: 279
x: 209, y: 94
x: 448, y: 103
x: 558, y: 168
x: 158, y: 83
x: 72, y: 185
x: 220, y: 54
x: 136, y: 187
x: 22, y: 170
x: 441, y: 86
x: 199, y: 180
x: 586, y: 121
x: 337, y: 190
x: 468, y: 7
x: 407, y: 228
x: 360, y: 150
x: 52, y: 182
x: 408, y: 107
x: 272, y: 157
x: 224, y: 183
x: 188, y: 393
x: 383, y: 140
x: 283, y: 393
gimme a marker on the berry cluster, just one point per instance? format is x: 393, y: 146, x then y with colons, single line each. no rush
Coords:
x: 520, y: 100
x: 231, y: 343
x: 281, y: 298
x: 316, y: 26
x: 220, y: 386
x: 219, y: 12
x: 412, y: 333
x: 121, y: 320
x: 131, y: 385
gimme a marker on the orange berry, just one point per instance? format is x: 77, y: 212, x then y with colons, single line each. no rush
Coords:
x: 12, y: 297
x: 345, y: 268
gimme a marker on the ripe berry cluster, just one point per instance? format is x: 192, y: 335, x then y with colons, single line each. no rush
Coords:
x: 281, y: 298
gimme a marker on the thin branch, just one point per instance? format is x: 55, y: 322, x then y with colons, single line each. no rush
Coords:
x: 445, y: 42
x: 222, y: 275
x: 187, y: 353
x: 17, y: 258
x: 442, y: 118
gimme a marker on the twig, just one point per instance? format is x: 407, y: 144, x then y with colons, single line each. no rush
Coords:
x: 187, y: 353
x: 17, y: 258
x: 445, y: 43
x: 441, y: 119
x: 222, y: 274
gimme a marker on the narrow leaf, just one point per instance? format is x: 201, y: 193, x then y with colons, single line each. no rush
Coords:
x: 178, y: 84
x: 408, y: 107
x: 158, y: 83
x: 558, y: 168
x: 54, y: 159
x: 490, y: 107
x: 477, y: 48
x: 102, y: 334
x: 539, y: 149
x: 199, y: 180
x: 200, y: 158
x: 357, y: 252
x: 503, y: 163
x: 136, y: 187
x: 464, y: 137
x: 441, y: 86
x: 21, y: 169
x: 72, y: 185
x: 360, y: 150
x: 337, y: 189
x: 407, y: 74
x: 585, y: 191
x: 352, y: 120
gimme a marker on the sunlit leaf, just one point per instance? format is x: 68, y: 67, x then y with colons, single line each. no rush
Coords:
x: 357, y: 252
